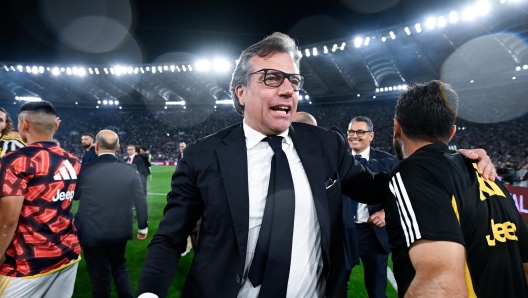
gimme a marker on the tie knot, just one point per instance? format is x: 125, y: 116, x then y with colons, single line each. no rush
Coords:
x: 275, y: 143
x: 357, y: 156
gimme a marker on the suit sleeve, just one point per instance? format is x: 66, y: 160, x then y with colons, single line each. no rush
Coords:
x: 184, y: 208
x: 140, y: 201
x: 357, y: 181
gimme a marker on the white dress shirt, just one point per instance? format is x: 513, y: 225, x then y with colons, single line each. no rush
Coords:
x: 362, y: 209
x: 305, y: 279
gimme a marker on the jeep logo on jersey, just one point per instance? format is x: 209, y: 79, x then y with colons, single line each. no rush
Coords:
x: 65, y: 172
x: 63, y: 195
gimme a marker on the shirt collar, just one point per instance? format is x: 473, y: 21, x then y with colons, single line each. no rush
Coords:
x: 254, y: 137
x: 106, y: 153
x: 365, y: 153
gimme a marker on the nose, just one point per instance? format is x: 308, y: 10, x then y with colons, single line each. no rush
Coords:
x: 286, y: 88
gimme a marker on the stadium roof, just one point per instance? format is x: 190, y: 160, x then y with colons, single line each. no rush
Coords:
x: 150, y: 53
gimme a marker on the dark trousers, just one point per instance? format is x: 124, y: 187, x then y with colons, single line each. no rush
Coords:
x: 103, y: 262
x: 144, y: 182
x: 374, y: 260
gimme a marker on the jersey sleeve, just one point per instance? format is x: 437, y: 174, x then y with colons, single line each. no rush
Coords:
x: 424, y: 203
x: 13, y: 175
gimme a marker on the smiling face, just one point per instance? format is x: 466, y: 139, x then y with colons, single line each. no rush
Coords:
x: 357, y: 143
x: 269, y: 110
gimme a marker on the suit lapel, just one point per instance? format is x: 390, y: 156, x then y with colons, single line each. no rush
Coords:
x: 311, y: 156
x: 232, y: 158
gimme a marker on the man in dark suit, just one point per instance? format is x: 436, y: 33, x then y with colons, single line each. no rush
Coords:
x: 373, y: 242
x: 107, y: 188
x: 141, y: 162
x: 87, y: 141
x: 226, y: 179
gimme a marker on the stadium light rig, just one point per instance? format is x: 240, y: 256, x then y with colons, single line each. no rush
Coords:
x: 175, y: 103
x: 224, y: 102
x: 28, y: 98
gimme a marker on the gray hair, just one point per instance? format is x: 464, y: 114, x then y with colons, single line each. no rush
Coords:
x: 367, y: 120
x: 275, y: 43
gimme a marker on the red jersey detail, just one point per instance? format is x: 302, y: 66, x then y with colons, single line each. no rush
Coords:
x: 61, y: 224
x: 41, y: 162
x: 34, y: 192
x: 47, y: 251
x: 47, y: 216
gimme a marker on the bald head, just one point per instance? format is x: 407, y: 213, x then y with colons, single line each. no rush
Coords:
x: 37, y: 121
x: 106, y: 141
x: 304, y: 117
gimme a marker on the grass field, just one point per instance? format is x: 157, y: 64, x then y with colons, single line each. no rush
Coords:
x: 136, y: 250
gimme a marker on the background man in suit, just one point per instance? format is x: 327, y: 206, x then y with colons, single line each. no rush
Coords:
x: 226, y: 179
x: 87, y: 141
x: 181, y: 147
x: 106, y: 188
x: 373, y: 242
x: 141, y: 163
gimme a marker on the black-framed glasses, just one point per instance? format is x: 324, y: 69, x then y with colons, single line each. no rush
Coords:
x: 275, y: 78
x: 359, y: 133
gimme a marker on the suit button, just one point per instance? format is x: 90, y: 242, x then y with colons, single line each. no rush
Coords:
x: 238, y: 279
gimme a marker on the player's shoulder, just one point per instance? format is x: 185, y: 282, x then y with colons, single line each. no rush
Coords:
x: 425, y: 162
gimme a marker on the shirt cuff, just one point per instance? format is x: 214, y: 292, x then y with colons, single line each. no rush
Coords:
x: 144, y: 232
x: 148, y: 295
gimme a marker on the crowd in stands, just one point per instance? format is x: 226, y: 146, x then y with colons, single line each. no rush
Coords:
x: 162, y: 131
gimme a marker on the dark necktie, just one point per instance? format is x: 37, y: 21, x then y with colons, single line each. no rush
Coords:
x: 357, y: 156
x: 271, y: 262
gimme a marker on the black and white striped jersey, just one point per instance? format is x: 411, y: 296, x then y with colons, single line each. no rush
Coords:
x: 8, y: 144
x: 439, y: 195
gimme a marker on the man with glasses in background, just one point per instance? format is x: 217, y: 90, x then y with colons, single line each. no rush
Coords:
x: 269, y: 192
x: 372, y: 239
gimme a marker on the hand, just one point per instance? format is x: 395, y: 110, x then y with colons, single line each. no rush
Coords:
x: 485, y: 167
x: 377, y: 219
x: 141, y: 236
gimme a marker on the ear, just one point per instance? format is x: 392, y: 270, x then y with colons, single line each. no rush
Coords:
x: 452, y: 132
x: 25, y: 125
x: 118, y: 146
x: 371, y: 136
x: 96, y: 148
x: 240, y: 91
x: 397, y: 129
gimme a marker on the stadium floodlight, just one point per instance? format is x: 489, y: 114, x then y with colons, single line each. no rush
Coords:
x: 130, y: 70
x: 35, y: 69
x: 175, y: 103
x: 172, y: 68
x: 75, y: 70
x: 116, y: 102
x: 41, y: 69
x: 310, y: 102
x: 116, y: 70
x: 96, y: 107
x: 314, y: 51
x: 384, y: 39
x: 68, y: 71
x: 453, y: 17
x: 405, y: 86
x: 525, y: 66
x: 111, y: 102
x: 298, y: 53
x: 202, y: 65
x: 55, y: 71
x: 482, y: 7
x: 374, y: 96
x: 178, y: 68
x: 20, y: 68
x: 407, y: 30
x: 189, y: 67
x: 307, y: 52
x: 390, y: 88
x: 325, y: 50
x: 105, y: 102
x: 48, y: 68
x: 358, y: 41
x: 184, y: 68
x: 441, y: 21
x: 76, y: 103
x: 82, y: 72
x: 469, y: 13
x: 377, y: 89
x: 386, y: 89
x: 136, y: 70
x: 28, y: 69
x: 358, y: 95
x: 223, y: 102
x: 472, y: 81
x: 153, y: 69
x: 517, y: 68
x: 160, y: 69
x: 141, y: 69
x: 307, y: 96
x: 513, y: 78
x: 367, y: 41
x: 99, y: 102
x: 221, y: 65
x: 214, y: 107
x: 147, y: 68
x: 342, y: 46
x: 430, y: 23
x: 90, y: 70
x: 392, y: 35
x: 165, y: 67
x: 120, y: 107
x: 5, y: 67
x: 502, y: 1
x: 28, y: 98
x: 12, y: 68
x: 165, y: 107
x: 418, y: 28
x: 105, y: 70
x: 62, y: 69
x: 300, y: 97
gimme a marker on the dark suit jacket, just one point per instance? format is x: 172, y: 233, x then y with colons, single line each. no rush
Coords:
x: 106, y: 189
x: 211, y: 182
x: 379, y: 161
x: 89, y: 156
x: 142, y: 164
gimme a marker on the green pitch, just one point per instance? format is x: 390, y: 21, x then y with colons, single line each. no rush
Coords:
x: 158, y: 187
